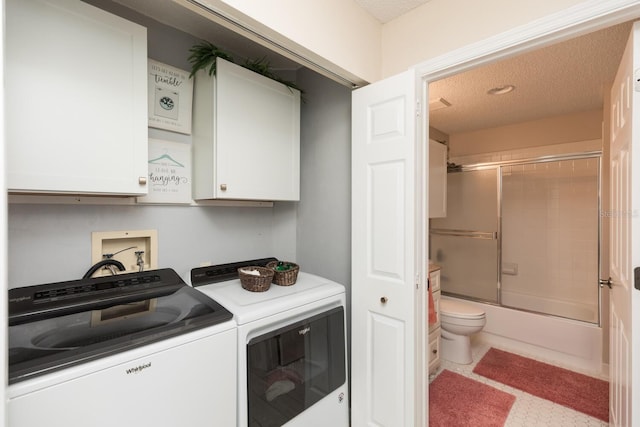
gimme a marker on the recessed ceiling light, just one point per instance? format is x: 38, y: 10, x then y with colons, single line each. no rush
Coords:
x: 501, y: 90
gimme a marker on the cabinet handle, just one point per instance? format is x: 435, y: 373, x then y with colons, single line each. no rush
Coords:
x: 142, y: 180
x: 384, y: 300
x: 435, y: 351
x: 223, y: 187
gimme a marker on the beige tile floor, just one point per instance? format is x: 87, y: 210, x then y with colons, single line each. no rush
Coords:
x: 528, y: 410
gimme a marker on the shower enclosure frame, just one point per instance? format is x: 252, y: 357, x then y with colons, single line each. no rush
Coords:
x: 498, y: 165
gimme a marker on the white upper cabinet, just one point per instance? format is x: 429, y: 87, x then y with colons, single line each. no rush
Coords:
x: 246, y: 136
x: 437, y: 179
x: 75, y: 100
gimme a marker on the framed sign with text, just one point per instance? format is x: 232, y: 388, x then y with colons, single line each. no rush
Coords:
x: 170, y: 93
x: 169, y: 179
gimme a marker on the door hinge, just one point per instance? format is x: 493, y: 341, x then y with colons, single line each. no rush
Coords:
x: 417, y: 281
x: 418, y: 108
x: 605, y: 282
x: 636, y: 278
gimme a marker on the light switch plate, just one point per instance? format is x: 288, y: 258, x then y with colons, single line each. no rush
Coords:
x: 123, y: 245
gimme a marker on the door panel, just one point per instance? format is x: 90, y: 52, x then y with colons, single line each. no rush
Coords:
x: 386, y: 338
x: 625, y: 239
x: 469, y: 265
x: 386, y: 215
x: 465, y: 242
x: 388, y: 372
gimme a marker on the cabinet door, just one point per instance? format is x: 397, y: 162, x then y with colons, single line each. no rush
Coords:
x: 436, y: 305
x: 434, y: 279
x: 434, y: 350
x: 76, y: 99
x: 437, y: 179
x: 257, y: 136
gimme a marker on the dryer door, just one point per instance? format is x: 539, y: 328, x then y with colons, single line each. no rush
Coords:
x: 292, y: 368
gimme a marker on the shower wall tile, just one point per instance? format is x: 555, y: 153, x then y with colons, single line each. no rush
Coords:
x: 549, y: 229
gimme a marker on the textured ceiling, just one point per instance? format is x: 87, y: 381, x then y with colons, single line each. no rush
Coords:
x: 565, y: 78
x: 387, y: 10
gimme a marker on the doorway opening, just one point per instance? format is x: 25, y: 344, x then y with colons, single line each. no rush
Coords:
x: 459, y: 62
x: 474, y: 141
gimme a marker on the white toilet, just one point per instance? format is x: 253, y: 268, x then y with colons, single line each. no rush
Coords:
x: 458, y: 321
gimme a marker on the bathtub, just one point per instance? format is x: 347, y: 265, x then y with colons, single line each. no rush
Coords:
x: 569, y: 309
x: 569, y: 343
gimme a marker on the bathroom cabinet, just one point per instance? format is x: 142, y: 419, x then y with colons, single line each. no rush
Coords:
x: 437, y: 179
x: 76, y: 100
x: 246, y: 136
x: 434, y: 330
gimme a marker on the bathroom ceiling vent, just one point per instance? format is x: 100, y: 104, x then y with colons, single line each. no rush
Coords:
x: 501, y: 90
x: 438, y: 104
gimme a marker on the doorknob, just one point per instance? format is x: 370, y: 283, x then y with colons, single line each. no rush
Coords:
x: 605, y: 282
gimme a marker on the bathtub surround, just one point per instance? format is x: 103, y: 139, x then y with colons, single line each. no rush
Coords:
x: 455, y: 400
x: 573, y: 330
x: 550, y: 215
x: 581, y: 392
x: 524, y: 235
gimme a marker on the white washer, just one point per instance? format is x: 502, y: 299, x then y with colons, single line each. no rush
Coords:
x: 292, y: 359
x: 127, y: 350
x: 164, y: 384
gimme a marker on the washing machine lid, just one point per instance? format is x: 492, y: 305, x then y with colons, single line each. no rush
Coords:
x: 58, y: 325
x: 248, y: 306
x: 460, y: 309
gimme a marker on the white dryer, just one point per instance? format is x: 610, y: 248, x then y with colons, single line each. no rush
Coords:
x: 292, y: 366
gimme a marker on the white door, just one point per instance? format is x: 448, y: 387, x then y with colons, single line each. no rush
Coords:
x: 625, y: 235
x: 387, y: 360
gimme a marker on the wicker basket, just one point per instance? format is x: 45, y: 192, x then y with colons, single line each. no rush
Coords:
x: 285, y: 277
x: 253, y: 282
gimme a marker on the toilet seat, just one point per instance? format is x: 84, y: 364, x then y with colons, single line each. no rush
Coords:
x: 460, y: 310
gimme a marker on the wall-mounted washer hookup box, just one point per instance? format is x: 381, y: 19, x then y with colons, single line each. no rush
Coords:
x: 128, y: 247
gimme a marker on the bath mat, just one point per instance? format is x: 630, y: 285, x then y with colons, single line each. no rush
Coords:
x: 567, y: 388
x: 455, y: 400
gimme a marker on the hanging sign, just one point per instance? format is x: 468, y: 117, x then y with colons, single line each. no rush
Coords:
x: 169, y: 179
x: 170, y: 92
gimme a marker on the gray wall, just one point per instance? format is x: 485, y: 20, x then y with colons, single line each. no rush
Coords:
x: 50, y: 243
x: 324, y: 211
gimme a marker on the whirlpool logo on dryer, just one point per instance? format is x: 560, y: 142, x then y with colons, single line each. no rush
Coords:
x: 138, y: 368
x: 304, y: 330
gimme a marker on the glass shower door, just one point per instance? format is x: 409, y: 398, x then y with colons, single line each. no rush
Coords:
x: 465, y: 243
x: 550, y: 216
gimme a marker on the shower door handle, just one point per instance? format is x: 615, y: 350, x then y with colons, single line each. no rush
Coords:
x: 605, y: 282
x: 486, y: 235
